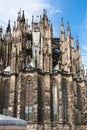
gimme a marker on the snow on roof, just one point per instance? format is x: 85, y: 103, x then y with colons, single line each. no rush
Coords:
x: 7, y: 69
x: 7, y: 120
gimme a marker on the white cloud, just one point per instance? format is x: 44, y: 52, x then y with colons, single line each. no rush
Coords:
x: 84, y: 41
x: 54, y: 11
x: 10, y: 8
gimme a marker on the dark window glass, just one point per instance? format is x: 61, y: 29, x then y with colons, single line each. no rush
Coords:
x: 64, y: 100
x: 79, y: 107
x: 28, y: 100
x: 26, y: 111
x: 40, y: 101
x: 5, y: 97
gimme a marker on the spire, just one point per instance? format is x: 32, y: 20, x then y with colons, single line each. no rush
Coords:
x: 45, y: 15
x: 77, y: 43
x: 32, y: 19
x: 0, y: 32
x: 62, y: 32
x: 68, y: 29
x: 14, y: 25
x: 62, y: 25
x: 8, y: 27
x: 19, y: 19
x: 19, y: 15
x: 44, y: 12
x: 23, y: 17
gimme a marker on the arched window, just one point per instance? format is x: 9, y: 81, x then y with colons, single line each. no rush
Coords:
x: 64, y: 100
x: 40, y: 100
x: 79, y: 98
x: 54, y: 92
x: 27, y: 99
x: 5, y: 97
x: 79, y: 105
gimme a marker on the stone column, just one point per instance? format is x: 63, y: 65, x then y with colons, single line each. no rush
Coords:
x: 47, y: 108
x: 12, y: 95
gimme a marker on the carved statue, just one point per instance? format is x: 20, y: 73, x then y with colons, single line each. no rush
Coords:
x: 28, y: 44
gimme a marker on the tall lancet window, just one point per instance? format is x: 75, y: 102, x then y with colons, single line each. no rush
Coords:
x: 5, y: 97
x: 79, y: 106
x: 54, y: 100
x: 27, y: 99
x: 64, y: 101
x: 40, y: 100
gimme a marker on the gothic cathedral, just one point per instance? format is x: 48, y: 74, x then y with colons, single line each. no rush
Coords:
x: 42, y: 79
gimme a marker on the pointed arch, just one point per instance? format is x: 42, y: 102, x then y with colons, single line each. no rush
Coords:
x: 64, y: 100
x: 54, y: 99
x: 27, y: 99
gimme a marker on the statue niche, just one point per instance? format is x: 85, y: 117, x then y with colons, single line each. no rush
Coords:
x: 28, y: 44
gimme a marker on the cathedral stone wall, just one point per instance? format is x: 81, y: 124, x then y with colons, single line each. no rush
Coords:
x: 42, y: 79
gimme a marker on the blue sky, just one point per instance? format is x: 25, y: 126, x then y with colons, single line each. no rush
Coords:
x: 74, y: 11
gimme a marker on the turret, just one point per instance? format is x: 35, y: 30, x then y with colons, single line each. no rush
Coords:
x: 32, y: 23
x: 45, y: 18
x: 8, y: 38
x: 68, y: 30
x: 19, y: 19
x: 77, y: 43
x: 8, y: 27
x: 62, y: 32
x: 23, y: 17
x: 8, y: 32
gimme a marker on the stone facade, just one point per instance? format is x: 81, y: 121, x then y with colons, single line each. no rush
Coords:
x: 42, y: 78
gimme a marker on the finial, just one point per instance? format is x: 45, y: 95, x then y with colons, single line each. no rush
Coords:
x: 68, y: 26
x: 19, y: 14
x: 20, y: 11
x: 8, y: 27
x: 62, y: 21
x: 23, y: 14
x: 23, y: 17
x: 44, y: 11
x: 68, y: 29
x: 40, y: 17
x: 77, y: 43
x: 14, y: 24
x: 32, y: 18
x: 62, y: 26
x: 9, y: 22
